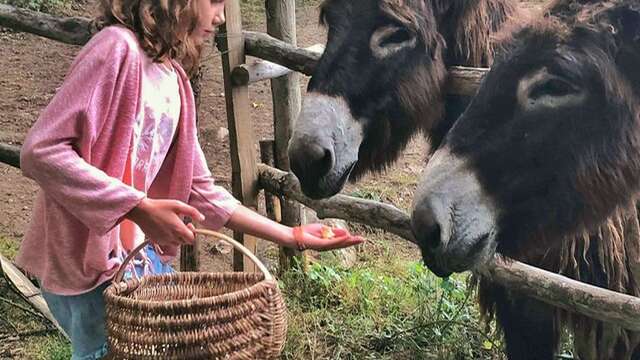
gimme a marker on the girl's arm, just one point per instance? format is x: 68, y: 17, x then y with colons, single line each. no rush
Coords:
x: 57, y: 150
x: 247, y: 221
x: 309, y: 236
x: 221, y: 209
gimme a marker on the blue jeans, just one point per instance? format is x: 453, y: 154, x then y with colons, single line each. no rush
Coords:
x: 83, y: 316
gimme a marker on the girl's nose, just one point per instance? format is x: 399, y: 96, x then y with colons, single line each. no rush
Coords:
x: 219, y: 20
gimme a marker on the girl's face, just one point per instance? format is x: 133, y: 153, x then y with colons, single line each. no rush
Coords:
x: 210, y: 15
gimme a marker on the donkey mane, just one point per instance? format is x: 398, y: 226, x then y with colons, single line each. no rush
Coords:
x: 477, y: 23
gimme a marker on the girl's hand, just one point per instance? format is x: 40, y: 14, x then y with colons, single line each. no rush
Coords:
x: 321, y: 237
x: 161, y: 221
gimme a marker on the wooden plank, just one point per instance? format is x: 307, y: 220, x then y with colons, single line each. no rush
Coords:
x: 190, y: 254
x: 271, y: 202
x: 10, y: 155
x: 28, y: 291
x: 70, y: 30
x: 243, y: 154
x: 260, y: 70
x: 285, y: 90
x: 465, y: 80
x: 571, y: 295
x: 271, y: 49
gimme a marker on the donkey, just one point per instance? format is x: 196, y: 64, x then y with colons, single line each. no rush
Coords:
x: 544, y: 167
x: 381, y: 80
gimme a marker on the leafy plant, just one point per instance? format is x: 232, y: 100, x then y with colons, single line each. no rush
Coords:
x: 376, y: 311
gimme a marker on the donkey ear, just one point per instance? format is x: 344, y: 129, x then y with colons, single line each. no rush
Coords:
x: 623, y: 22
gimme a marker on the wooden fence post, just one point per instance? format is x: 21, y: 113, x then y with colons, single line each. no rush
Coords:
x: 243, y: 154
x: 285, y: 90
x: 190, y: 254
x: 271, y: 202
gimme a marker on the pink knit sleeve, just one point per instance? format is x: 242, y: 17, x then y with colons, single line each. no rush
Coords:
x: 102, y: 80
x: 213, y: 201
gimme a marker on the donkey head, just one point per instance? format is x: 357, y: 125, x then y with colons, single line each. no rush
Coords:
x: 548, y: 148
x: 381, y: 71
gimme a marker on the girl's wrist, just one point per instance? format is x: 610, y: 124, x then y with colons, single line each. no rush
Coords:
x: 287, y: 238
x: 298, y: 238
x: 138, y: 211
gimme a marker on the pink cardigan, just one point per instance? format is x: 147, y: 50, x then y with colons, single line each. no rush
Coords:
x: 77, y: 151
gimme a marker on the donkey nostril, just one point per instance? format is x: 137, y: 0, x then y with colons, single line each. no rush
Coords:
x: 432, y: 237
x: 310, y: 161
x: 319, y: 160
x: 326, y: 163
x: 425, y: 227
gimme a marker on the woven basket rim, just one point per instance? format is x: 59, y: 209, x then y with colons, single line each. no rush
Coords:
x: 112, y: 292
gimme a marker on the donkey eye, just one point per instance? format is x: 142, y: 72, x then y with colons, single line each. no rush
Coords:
x: 551, y: 87
x: 390, y: 39
x: 400, y: 35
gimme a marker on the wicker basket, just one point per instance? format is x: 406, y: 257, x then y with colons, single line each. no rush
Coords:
x: 196, y: 315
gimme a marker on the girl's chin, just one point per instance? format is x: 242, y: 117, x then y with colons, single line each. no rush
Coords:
x: 200, y: 39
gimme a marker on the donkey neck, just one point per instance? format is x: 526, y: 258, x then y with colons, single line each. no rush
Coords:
x: 468, y: 28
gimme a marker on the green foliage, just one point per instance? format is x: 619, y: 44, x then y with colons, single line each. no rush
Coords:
x: 374, y: 194
x: 383, y: 311
x: 8, y: 248
x: 51, y: 348
x: 18, y: 316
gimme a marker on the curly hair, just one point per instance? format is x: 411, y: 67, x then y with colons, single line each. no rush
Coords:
x: 162, y: 27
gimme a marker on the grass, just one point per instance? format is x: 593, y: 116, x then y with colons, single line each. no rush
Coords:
x: 8, y: 248
x: 393, y: 309
x: 388, y: 306
x: 50, y: 348
x: 15, y: 319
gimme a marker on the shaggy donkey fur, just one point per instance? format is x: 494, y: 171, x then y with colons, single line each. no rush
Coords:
x: 552, y: 139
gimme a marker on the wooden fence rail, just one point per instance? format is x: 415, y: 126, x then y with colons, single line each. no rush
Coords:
x: 70, y: 30
x: 78, y: 30
x: 462, y: 80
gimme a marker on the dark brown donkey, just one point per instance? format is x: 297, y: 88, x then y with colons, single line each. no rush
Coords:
x: 544, y: 167
x: 380, y: 81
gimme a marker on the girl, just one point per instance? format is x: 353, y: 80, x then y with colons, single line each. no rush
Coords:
x: 117, y: 158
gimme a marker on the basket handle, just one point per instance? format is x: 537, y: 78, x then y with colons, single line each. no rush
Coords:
x: 219, y: 236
